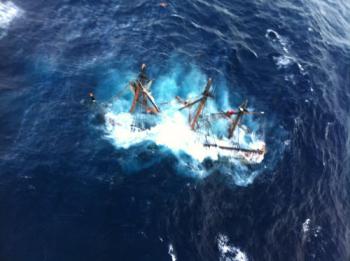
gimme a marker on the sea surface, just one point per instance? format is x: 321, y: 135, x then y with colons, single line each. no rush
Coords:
x: 68, y: 189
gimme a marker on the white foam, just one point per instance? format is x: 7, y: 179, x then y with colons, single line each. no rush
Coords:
x: 8, y: 12
x: 170, y: 129
x: 173, y: 131
x: 283, y: 61
x: 317, y: 231
x: 171, y: 252
x: 306, y: 226
x: 273, y: 32
x: 281, y: 40
x: 287, y: 142
x: 309, y: 230
x: 287, y: 58
x: 229, y: 252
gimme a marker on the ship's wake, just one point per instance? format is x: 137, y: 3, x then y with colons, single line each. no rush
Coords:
x: 170, y: 129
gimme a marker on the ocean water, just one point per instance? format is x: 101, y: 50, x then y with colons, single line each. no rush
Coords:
x: 72, y: 190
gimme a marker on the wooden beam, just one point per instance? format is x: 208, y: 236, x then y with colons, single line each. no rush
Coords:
x: 234, y: 125
x: 136, y: 97
x: 201, y: 105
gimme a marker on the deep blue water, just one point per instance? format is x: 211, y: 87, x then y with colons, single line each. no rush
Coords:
x: 67, y: 193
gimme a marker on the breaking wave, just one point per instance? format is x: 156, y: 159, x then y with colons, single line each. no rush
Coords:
x: 286, y: 57
x: 310, y: 230
x: 171, y: 252
x: 229, y: 252
x: 173, y: 132
x: 8, y: 12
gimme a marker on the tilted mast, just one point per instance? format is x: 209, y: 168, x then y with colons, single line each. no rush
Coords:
x: 141, y: 87
x: 140, y: 91
x: 241, y: 111
x: 203, y: 100
x: 136, y: 91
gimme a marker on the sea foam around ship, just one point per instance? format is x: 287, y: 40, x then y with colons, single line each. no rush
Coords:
x: 171, y: 129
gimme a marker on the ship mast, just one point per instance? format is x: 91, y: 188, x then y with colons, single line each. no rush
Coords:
x: 241, y: 111
x: 140, y: 87
x: 136, y: 90
x: 203, y: 100
x: 139, y: 90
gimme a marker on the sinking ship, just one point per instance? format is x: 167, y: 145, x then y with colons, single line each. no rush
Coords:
x: 144, y: 111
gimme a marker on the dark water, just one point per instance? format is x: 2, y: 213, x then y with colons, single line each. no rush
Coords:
x: 65, y: 193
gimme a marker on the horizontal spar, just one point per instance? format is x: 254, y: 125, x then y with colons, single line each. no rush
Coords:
x: 234, y: 148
